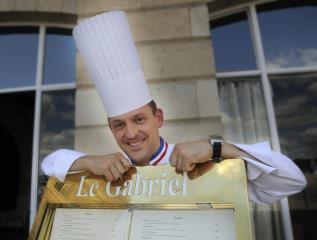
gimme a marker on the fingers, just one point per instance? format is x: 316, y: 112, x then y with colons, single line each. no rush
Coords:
x: 185, y: 156
x: 125, y: 163
x: 112, y: 166
x: 108, y: 175
x: 181, y: 160
x: 173, y: 157
x: 189, y: 166
x: 115, y: 173
x: 117, y: 166
x: 120, y: 167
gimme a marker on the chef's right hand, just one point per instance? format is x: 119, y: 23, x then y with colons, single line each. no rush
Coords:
x: 112, y: 166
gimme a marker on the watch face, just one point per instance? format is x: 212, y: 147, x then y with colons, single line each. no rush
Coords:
x: 215, y: 138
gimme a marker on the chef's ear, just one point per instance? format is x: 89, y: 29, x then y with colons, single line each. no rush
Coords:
x: 160, y: 117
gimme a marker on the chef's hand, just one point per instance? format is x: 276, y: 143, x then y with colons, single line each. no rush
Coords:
x: 112, y: 166
x: 185, y: 156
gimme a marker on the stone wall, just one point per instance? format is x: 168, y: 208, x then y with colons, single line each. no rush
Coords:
x: 38, y: 11
x: 57, y: 6
x: 173, y: 41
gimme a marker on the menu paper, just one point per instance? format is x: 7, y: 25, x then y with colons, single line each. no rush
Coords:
x: 90, y: 224
x: 143, y: 224
x: 183, y: 224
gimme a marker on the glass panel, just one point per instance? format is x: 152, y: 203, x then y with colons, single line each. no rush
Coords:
x: 289, y: 33
x: 60, y: 56
x: 243, y: 115
x: 243, y: 111
x: 16, y: 131
x: 18, y: 56
x: 232, y: 43
x: 295, y: 102
x: 57, y: 125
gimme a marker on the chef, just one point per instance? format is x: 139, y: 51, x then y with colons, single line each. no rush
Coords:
x: 110, y: 56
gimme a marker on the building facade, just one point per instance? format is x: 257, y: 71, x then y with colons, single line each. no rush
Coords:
x: 213, y: 66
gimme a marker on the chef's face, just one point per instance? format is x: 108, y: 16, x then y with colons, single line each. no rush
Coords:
x: 137, y: 133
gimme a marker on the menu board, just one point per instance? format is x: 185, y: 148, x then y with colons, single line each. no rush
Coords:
x: 139, y: 224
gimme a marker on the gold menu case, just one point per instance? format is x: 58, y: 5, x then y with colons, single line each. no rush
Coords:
x: 210, y: 202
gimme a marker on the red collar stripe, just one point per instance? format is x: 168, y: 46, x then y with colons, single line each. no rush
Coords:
x: 162, y: 156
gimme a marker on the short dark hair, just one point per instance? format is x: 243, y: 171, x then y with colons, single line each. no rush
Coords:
x: 153, y: 106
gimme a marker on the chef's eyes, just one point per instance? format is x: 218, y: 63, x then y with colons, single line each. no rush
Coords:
x: 140, y: 120
x: 121, y: 125
x: 118, y: 125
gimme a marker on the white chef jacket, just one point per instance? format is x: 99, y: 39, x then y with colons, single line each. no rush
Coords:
x: 271, y: 177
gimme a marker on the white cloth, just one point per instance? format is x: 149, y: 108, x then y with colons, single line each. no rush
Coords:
x: 270, y: 179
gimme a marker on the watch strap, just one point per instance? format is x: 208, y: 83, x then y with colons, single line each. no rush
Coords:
x: 216, y: 144
x: 216, y: 152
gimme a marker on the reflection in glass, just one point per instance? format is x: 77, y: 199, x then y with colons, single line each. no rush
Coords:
x: 18, y: 56
x: 243, y: 113
x: 232, y: 43
x: 295, y: 102
x: 60, y: 56
x: 289, y: 33
x: 57, y: 125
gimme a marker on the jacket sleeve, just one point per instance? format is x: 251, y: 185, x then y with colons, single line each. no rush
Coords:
x: 58, y: 163
x: 272, y: 176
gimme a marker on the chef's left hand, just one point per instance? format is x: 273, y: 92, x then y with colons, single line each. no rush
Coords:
x: 186, y: 155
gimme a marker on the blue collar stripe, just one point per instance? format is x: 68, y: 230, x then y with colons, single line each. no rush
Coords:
x: 159, y: 150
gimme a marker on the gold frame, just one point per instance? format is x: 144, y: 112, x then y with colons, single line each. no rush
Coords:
x: 221, y: 185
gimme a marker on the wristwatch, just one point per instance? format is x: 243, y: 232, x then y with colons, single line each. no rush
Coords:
x: 216, y: 144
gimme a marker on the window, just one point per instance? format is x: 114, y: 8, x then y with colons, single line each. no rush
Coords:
x: 60, y: 51
x: 231, y: 37
x: 295, y: 102
x: 282, y: 38
x: 288, y: 34
x: 18, y: 48
x: 37, y: 83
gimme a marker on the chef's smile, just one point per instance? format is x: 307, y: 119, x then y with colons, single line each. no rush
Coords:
x: 137, y: 133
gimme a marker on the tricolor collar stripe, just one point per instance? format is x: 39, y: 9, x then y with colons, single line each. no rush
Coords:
x: 160, y: 156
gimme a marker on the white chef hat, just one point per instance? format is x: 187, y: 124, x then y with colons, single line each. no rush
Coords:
x: 107, y: 48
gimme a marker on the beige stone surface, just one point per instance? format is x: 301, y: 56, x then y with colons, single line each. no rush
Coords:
x: 199, y: 19
x: 89, y: 108
x: 172, y: 59
x: 178, y: 99
x: 6, y: 5
x: 175, y: 132
x: 82, y: 74
x: 26, y: 5
x: 97, y: 6
x: 221, y: 5
x: 50, y: 5
x: 159, y: 3
x: 95, y: 140
x: 69, y: 6
x: 160, y: 24
x: 207, y: 97
x: 178, y: 59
